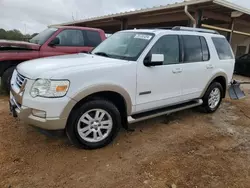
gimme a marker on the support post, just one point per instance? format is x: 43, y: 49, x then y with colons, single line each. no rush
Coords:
x: 231, y: 27
x: 199, y: 15
x: 124, y: 24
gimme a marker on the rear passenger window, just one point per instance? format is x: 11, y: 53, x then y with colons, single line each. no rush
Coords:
x: 205, y: 50
x: 93, y: 38
x: 192, y: 48
x: 223, y: 48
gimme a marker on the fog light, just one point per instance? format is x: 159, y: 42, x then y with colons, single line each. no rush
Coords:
x: 39, y: 113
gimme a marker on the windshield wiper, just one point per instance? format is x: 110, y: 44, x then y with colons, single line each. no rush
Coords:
x: 102, y: 54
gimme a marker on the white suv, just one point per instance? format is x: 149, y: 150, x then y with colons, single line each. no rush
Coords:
x: 132, y: 76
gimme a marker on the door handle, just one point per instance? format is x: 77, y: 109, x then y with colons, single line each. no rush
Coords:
x: 210, y: 66
x: 177, y: 70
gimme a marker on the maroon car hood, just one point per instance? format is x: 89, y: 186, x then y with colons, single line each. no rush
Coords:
x: 18, y: 44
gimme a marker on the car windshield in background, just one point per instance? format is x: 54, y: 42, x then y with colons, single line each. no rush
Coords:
x: 124, y: 45
x: 42, y: 37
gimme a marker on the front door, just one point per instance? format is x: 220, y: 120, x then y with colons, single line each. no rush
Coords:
x: 160, y: 85
x: 70, y: 41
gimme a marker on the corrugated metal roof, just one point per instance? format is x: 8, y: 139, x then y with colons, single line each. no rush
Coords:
x: 163, y: 7
x: 233, y: 6
x: 144, y: 10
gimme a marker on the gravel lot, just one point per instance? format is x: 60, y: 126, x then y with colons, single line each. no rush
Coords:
x: 185, y: 149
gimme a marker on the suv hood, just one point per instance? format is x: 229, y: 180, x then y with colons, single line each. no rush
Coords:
x: 16, y: 45
x: 48, y: 67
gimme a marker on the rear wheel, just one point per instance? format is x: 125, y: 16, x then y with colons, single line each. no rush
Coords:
x: 94, y: 125
x: 6, y: 77
x: 213, y: 97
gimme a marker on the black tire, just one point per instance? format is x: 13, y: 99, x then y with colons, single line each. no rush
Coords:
x: 206, y: 107
x: 71, y: 128
x: 6, y: 77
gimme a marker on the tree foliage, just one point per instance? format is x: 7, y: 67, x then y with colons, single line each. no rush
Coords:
x: 14, y: 35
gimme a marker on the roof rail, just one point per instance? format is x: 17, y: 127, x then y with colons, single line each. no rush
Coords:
x: 180, y: 28
x: 154, y: 28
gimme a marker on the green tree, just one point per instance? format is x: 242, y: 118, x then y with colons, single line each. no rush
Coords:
x: 14, y: 35
x: 3, y: 34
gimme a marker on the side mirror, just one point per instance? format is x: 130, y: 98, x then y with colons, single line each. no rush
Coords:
x: 54, y: 42
x: 154, y: 60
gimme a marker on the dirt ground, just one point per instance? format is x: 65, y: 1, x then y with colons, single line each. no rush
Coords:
x: 185, y: 149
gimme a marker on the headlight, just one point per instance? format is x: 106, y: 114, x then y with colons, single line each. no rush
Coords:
x: 49, y: 88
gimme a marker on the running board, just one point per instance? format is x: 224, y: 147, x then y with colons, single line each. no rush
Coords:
x: 163, y: 111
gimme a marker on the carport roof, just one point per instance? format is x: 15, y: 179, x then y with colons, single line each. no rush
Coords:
x: 117, y: 16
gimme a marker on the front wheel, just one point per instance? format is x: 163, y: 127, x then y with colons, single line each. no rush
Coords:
x: 213, y: 97
x: 94, y: 125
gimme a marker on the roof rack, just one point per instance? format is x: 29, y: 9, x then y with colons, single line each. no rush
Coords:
x: 179, y: 28
x: 154, y: 28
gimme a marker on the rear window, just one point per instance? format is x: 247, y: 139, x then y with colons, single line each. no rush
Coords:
x: 93, y: 38
x: 223, y: 48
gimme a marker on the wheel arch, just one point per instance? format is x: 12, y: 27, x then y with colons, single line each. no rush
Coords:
x: 113, y: 93
x: 220, y: 78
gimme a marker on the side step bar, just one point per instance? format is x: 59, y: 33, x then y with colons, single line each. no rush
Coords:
x: 163, y: 111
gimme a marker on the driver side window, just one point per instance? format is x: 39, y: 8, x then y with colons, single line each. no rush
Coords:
x: 71, y: 37
x: 168, y: 45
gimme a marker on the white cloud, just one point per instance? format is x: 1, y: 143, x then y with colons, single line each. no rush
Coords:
x: 36, y: 15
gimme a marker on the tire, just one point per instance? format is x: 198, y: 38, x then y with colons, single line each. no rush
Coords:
x: 6, y: 77
x: 79, y: 124
x: 208, y: 107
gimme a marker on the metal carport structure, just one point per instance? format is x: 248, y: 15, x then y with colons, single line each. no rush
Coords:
x: 226, y: 17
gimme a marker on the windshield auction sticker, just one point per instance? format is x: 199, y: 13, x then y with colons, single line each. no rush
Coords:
x: 144, y: 37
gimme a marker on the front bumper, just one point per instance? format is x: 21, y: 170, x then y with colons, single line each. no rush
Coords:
x: 48, y: 123
x: 25, y: 114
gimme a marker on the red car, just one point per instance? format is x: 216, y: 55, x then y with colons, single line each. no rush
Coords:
x: 51, y: 42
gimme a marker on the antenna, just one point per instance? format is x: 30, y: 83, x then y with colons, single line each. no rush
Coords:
x: 73, y: 16
x: 24, y: 29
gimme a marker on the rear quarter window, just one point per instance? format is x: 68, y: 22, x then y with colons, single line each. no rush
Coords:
x: 223, y: 48
x: 205, y: 50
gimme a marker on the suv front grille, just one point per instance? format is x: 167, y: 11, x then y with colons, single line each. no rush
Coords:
x: 19, y: 80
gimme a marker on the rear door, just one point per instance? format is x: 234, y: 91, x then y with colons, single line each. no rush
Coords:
x: 197, y: 66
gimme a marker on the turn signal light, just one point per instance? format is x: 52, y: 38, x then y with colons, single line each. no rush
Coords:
x: 61, y: 88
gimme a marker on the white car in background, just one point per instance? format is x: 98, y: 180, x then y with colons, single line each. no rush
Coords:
x: 132, y: 76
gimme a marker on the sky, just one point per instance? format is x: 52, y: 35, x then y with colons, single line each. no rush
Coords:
x: 30, y: 16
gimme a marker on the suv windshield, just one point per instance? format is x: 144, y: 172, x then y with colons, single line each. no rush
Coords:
x: 42, y: 37
x: 124, y: 45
